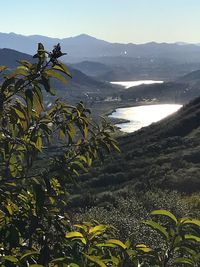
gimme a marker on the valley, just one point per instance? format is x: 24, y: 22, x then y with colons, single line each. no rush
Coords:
x: 158, y: 166
x: 100, y: 133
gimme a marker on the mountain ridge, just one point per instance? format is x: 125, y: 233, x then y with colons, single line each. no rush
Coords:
x: 79, y: 87
x: 86, y: 46
x: 84, y: 35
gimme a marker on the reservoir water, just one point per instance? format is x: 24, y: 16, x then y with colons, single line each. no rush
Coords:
x: 128, y: 84
x: 142, y: 116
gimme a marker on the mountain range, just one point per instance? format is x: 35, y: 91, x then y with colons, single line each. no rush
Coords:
x: 81, y: 86
x: 85, y: 46
x: 107, y: 61
x: 88, y: 82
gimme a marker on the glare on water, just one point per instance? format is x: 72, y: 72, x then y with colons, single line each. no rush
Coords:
x: 142, y: 116
x: 128, y: 84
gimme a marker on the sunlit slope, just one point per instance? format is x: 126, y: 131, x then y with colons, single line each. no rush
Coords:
x: 165, y: 155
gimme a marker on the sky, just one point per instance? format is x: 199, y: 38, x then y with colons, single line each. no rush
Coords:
x: 125, y: 21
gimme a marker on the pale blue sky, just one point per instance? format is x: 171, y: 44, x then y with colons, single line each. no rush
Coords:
x: 136, y: 21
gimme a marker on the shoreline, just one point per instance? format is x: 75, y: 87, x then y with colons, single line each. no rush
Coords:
x: 109, y: 108
x: 126, y: 105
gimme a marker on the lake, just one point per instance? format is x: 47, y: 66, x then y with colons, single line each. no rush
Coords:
x: 128, y: 84
x: 142, y: 116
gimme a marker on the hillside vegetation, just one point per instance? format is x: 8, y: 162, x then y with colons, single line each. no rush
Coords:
x: 158, y: 167
x: 165, y: 154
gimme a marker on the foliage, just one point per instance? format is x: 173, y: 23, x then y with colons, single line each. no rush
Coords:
x: 125, y: 209
x: 181, y: 244
x: 35, y: 225
x: 33, y: 198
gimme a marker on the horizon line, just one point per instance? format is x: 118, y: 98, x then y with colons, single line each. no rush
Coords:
x: 111, y: 42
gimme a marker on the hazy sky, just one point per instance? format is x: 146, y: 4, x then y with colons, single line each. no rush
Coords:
x: 136, y: 21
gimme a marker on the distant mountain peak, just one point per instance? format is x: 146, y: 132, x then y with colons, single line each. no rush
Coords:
x: 84, y: 35
x: 87, y: 37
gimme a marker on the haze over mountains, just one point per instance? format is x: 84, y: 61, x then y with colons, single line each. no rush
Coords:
x: 114, y: 61
x: 80, y: 86
x: 160, y: 141
x: 85, y: 46
x: 89, y: 79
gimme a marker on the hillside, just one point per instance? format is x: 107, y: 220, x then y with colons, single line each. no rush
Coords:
x: 9, y: 57
x: 181, y: 90
x: 88, y: 89
x: 193, y: 76
x: 79, y: 87
x: 164, y: 155
x: 126, y: 68
x: 92, y: 68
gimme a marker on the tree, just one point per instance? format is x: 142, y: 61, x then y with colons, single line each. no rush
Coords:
x: 33, y: 198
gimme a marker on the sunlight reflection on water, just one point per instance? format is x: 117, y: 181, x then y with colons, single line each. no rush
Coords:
x: 142, y: 116
x: 129, y: 84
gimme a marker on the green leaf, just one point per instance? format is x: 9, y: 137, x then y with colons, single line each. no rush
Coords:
x: 106, y: 245
x: 184, y: 261
x: 143, y: 248
x: 165, y: 213
x: 19, y: 84
x: 159, y: 228
x: 96, y: 260
x: 55, y: 74
x: 21, y: 70
x: 2, y: 214
x: 25, y: 63
x: 193, y: 237
x: 115, y: 260
x: 97, y: 228
x: 78, y: 164
x: 45, y: 82
x: 61, y: 67
x: 116, y: 242
x: 73, y: 234
x: 37, y: 99
x: 11, y: 259
x: 58, y: 260
x: 19, y: 113
x: 190, y: 221
x: 29, y: 100
x: 84, y: 227
x: 82, y: 239
x: 38, y: 143
x: 71, y: 131
x: 28, y: 254
x: 116, y: 147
